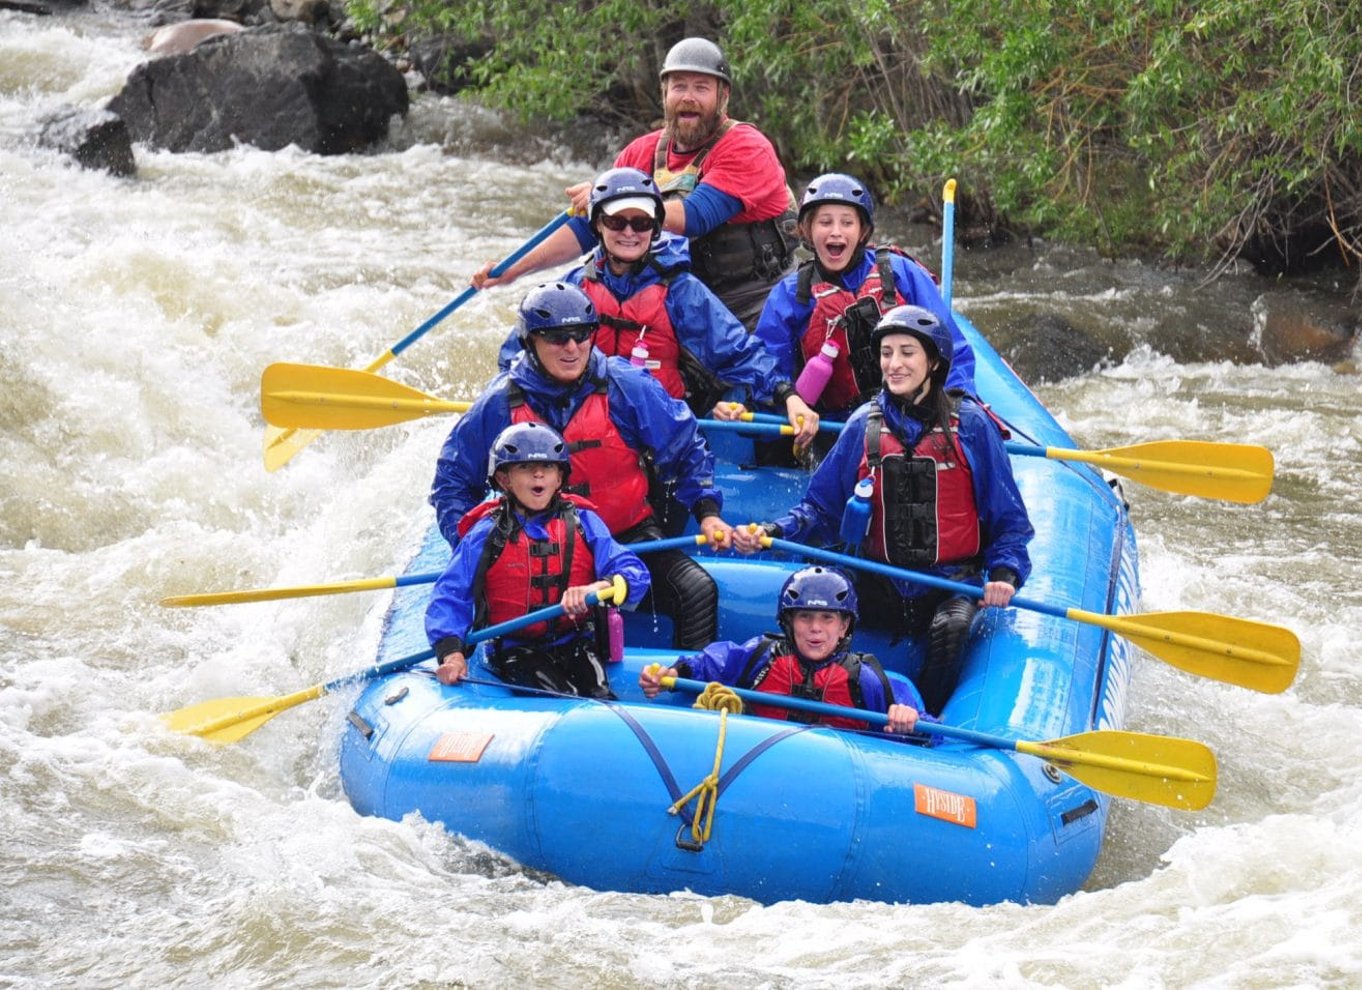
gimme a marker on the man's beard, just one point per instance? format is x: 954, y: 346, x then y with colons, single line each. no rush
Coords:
x: 687, y: 135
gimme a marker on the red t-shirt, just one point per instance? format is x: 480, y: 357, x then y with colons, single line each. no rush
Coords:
x: 742, y: 163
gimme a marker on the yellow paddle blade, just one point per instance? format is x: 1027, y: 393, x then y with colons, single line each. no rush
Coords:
x: 276, y: 594
x: 308, y: 396
x: 1254, y: 655
x: 227, y: 720
x: 282, y: 445
x: 1177, y: 773
x: 1234, y: 472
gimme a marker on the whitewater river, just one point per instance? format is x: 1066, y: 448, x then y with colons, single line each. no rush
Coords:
x: 135, y: 319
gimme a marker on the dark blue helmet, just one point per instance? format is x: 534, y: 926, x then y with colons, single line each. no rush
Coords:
x: 922, y: 324
x: 836, y: 187
x: 551, y: 306
x: 526, y: 443
x: 821, y: 589
x: 626, y: 188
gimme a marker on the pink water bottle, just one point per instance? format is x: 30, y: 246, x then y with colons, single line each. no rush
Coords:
x: 614, y: 623
x: 638, y: 357
x: 814, y: 378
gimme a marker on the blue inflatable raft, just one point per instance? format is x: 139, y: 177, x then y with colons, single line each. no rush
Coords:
x: 601, y: 794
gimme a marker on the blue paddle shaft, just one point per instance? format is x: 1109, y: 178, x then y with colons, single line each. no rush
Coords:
x: 491, y: 632
x: 840, y: 711
x: 917, y: 577
x: 468, y: 293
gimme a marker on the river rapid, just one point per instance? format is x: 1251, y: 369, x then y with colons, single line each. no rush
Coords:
x: 136, y: 316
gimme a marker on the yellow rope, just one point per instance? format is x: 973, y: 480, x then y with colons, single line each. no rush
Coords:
x: 706, y: 793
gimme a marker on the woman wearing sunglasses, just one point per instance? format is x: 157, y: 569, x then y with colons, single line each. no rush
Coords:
x: 656, y: 313
x: 624, y: 433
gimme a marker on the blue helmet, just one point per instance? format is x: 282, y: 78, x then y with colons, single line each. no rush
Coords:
x: 925, y: 326
x: 626, y: 187
x: 835, y: 187
x: 821, y: 589
x: 551, y: 306
x: 527, y: 443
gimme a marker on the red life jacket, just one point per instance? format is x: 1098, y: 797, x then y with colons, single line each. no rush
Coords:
x: 856, y: 372
x: 605, y: 469
x: 922, y: 509
x: 517, y: 575
x: 644, y: 314
x: 834, y: 683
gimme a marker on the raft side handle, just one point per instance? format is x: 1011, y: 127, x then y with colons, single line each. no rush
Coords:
x: 364, y: 728
x: 1085, y: 809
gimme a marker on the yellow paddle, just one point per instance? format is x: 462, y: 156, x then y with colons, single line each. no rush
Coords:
x: 1250, y: 654
x: 371, y: 584
x: 1177, y: 773
x: 282, y: 444
x: 227, y: 720
x: 1234, y: 472
x: 315, y: 397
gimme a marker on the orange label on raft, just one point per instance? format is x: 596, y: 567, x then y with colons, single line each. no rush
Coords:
x: 459, y: 747
x: 958, y: 809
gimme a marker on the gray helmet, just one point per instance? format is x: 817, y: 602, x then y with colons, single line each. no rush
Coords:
x: 696, y: 55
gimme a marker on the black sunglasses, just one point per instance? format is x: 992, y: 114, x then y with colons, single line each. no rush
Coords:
x: 638, y: 225
x: 559, y: 336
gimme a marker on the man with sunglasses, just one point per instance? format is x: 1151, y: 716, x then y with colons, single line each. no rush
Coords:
x: 653, y: 311
x: 724, y: 184
x: 624, y: 433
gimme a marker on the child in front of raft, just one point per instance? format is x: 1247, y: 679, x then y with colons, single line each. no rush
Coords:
x: 625, y: 434
x: 654, y: 310
x: 944, y: 499
x: 529, y: 547
x: 811, y: 658
x: 839, y: 295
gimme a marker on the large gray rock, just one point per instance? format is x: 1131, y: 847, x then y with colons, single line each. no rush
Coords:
x: 270, y: 87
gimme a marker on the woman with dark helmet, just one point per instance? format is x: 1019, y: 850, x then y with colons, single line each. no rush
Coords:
x: 944, y: 499
x: 654, y: 312
x: 810, y: 658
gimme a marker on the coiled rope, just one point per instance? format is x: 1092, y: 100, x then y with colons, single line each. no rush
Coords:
x: 720, y: 698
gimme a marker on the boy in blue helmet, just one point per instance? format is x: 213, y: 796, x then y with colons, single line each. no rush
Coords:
x: 530, y: 547
x: 811, y: 658
x: 944, y: 499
